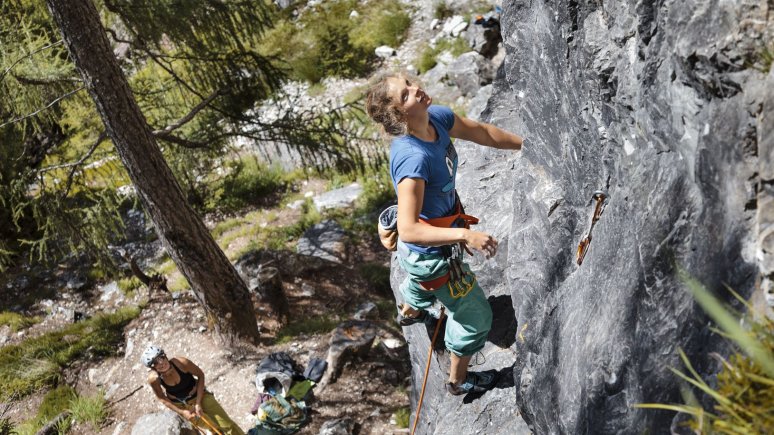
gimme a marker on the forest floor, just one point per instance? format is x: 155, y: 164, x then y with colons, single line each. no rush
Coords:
x: 369, y: 391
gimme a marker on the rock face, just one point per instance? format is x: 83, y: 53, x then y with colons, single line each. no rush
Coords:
x: 666, y: 105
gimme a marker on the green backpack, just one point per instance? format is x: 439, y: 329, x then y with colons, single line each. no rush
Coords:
x: 279, y: 416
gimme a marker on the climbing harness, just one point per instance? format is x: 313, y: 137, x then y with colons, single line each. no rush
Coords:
x: 449, y: 221
x: 427, y: 369
x: 583, y: 247
x: 456, y: 277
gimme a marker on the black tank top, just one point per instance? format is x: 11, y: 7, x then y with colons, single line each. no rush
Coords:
x: 181, y: 389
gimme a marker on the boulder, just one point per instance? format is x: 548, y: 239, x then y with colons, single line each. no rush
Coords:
x: 338, y: 198
x: 454, y: 24
x: 340, y: 426
x: 483, y: 40
x: 469, y: 72
x: 385, y: 51
x: 366, y: 311
x: 349, y: 341
x: 326, y: 240
x: 162, y: 423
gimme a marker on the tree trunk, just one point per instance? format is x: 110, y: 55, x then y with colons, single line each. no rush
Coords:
x: 214, y: 280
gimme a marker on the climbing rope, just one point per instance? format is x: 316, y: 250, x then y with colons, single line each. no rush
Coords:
x: 427, y: 369
x: 206, y: 421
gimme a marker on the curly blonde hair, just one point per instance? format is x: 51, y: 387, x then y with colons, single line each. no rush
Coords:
x: 383, y: 109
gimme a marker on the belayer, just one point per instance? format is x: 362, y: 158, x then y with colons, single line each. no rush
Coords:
x: 432, y: 228
x: 178, y: 383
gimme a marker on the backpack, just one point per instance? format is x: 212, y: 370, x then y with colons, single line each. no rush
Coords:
x: 280, y: 416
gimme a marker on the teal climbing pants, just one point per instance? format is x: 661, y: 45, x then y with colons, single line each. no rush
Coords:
x: 469, y: 316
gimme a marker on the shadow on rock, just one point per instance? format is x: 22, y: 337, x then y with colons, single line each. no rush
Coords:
x: 472, y: 397
x: 504, y: 323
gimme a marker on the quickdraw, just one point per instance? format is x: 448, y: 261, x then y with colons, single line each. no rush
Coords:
x: 459, y: 285
x: 583, y: 247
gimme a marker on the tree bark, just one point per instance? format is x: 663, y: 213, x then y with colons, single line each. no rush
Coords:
x: 215, y: 282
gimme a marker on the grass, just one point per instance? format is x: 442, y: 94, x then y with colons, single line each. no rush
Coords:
x: 90, y: 410
x: 129, y: 285
x: 442, y: 11
x: 54, y: 402
x: 17, y: 321
x: 402, y: 417
x: 377, y: 276
x: 325, y: 41
x: 248, y: 182
x: 36, y: 363
x: 277, y: 237
x: 427, y: 57
x: 744, y: 395
x: 310, y: 326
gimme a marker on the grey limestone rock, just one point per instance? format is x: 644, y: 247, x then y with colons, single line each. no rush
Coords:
x: 341, y: 426
x: 337, y: 198
x: 470, y: 71
x: 162, y: 423
x: 326, y: 240
x: 659, y: 104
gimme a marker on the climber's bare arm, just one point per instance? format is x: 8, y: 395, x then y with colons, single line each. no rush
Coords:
x: 411, y: 192
x: 484, y: 134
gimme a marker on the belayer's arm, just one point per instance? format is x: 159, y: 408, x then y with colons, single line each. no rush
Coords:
x: 484, y: 134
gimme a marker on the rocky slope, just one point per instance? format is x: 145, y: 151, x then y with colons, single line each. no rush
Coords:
x: 666, y: 105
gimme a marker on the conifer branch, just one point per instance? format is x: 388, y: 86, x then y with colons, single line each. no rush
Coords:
x: 48, y: 106
x: 102, y: 136
x: 45, y: 47
x: 187, y: 118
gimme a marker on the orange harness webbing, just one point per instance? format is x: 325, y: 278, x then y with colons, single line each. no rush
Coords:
x: 448, y: 221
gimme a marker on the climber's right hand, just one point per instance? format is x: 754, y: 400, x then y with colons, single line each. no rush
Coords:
x: 482, y: 242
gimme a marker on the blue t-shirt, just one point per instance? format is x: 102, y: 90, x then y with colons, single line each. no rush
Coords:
x: 434, y: 162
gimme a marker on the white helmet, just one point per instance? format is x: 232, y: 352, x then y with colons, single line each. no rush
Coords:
x: 151, y: 352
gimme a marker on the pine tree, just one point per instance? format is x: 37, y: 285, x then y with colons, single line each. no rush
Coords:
x: 214, y: 280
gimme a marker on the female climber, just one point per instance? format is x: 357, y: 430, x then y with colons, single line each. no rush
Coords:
x: 423, y: 165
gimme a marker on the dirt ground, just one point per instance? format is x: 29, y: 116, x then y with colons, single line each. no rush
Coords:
x: 369, y: 391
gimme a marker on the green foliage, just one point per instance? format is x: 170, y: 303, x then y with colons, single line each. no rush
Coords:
x: 128, y: 285
x: 197, y: 69
x: 377, y: 276
x: 427, y: 56
x: 377, y: 191
x: 37, y: 362
x: 17, y: 321
x: 403, y: 417
x: 91, y: 410
x: 278, y: 237
x: 325, y: 41
x: 306, y: 326
x: 7, y: 427
x: 248, y: 182
x: 744, y: 396
x: 763, y: 58
x: 54, y: 402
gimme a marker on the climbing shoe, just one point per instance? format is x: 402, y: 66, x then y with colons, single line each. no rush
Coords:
x: 475, y: 382
x: 406, y: 321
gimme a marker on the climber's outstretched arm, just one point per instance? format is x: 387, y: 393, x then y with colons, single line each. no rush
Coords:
x: 484, y: 134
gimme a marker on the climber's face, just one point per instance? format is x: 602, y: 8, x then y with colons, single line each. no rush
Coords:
x: 160, y: 363
x: 409, y: 96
